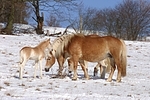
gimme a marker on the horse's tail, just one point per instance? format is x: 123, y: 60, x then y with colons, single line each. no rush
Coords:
x: 123, y: 59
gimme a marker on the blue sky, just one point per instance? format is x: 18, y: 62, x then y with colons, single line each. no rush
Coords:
x: 100, y: 4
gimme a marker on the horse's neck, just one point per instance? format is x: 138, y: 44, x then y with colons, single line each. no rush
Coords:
x: 60, y: 43
x: 41, y: 46
x: 56, y: 44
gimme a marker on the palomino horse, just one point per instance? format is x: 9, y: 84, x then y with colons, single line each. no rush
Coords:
x: 95, y: 49
x: 34, y: 53
x: 61, y: 57
x: 104, y: 66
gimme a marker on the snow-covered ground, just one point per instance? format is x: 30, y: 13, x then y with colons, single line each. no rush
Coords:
x: 135, y: 86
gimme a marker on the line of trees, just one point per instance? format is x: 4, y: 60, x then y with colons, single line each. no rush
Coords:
x: 13, y: 11
x: 16, y: 11
x: 128, y: 20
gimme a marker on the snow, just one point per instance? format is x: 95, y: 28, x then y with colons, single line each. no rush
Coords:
x: 135, y: 86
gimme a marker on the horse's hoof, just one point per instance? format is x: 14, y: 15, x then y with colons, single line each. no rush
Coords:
x: 74, y: 79
x: 109, y: 80
x: 87, y: 78
x: 118, y: 81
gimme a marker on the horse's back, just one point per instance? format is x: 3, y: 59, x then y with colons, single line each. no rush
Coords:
x: 89, y: 48
x: 26, y: 50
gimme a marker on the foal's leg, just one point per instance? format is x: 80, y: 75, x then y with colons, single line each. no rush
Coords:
x: 112, y: 70
x: 35, y: 69
x: 96, y: 69
x: 102, y: 69
x: 21, y: 67
x: 40, y: 63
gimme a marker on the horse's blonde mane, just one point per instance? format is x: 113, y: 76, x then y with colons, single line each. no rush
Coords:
x: 80, y: 35
x: 60, y: 43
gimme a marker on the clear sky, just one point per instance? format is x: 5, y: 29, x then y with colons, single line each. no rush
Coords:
x: 100, y: 4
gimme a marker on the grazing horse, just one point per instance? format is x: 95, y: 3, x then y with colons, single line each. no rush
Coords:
x: 61, y: 57
x: 36, y: 53
x: 95, y: 49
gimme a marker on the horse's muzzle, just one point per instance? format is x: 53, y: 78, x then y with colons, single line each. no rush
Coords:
x: 46, y: 69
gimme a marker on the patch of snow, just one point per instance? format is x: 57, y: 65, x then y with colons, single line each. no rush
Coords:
x: 134, y: 86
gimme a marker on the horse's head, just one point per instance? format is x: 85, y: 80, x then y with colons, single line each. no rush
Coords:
x: 50, y: 60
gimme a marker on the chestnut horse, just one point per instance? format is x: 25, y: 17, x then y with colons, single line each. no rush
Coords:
x: 63, y: 56
x: 60, y: 56
x: 36, y: 53
x: 95, y: 49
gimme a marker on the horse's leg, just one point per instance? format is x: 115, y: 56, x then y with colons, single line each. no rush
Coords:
x: 35, y: 69
x: 60, y: 61
x: 112, y: 70
x: 21, y: 65
x: 84, y: 68
x: 96, y: 69
x: 75, y: 63
x: 40, y: 64
x: 102, y: 69
x: 119, y: 71
x: 20, y: 70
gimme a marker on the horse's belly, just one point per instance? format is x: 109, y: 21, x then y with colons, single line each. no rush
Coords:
x: 93, y: 58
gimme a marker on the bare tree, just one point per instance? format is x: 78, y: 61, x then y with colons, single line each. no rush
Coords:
x: 127, y: 20
x: 85, y: 20
x: 136, y: 18
x: 39, y: 17
x: 55, y: 7
x: 53, y: 21
x: 12, y: 11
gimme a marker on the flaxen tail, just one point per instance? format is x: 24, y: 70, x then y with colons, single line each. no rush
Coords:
x: 123, y: 59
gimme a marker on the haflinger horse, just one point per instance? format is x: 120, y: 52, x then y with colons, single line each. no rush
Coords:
x: 36, y: 53
x: 62, y: 56
x: 103, y: 65
x: 95, y: 49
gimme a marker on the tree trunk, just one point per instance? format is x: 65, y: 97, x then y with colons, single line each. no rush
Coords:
x: 39, y: 29
x: 39, y: 19
x: 9, y: 27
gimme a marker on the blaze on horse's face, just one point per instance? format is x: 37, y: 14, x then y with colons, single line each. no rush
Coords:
x: 49, y: 61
